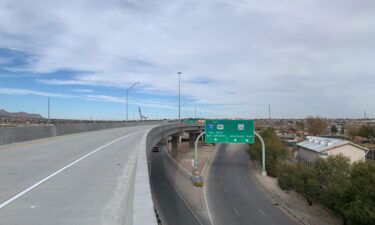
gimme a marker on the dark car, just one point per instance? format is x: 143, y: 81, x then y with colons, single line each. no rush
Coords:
x: 155, y: 149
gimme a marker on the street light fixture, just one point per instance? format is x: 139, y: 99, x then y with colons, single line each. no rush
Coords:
x: 127, y: 95
x: 179, y: 96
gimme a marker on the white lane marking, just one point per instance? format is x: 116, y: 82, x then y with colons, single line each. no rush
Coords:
x: 261, y: 211
x: 208, y: 208
x: 236, y: 211
x: 184, y: 201
x: 205, y: 166
x: 20, y: 194
x: 225, y: 189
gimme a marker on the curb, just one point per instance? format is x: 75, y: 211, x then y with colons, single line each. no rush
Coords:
x: 175, y: 187
x: 188, y: 173
x: 178, y: 166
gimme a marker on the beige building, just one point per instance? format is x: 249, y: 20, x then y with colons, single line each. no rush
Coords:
x: 313, y: 147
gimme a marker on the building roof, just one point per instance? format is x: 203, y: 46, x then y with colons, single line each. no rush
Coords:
x: 321, y: 144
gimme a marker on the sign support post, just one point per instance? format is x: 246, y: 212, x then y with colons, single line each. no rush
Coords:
x: 196, y: 167
x: 264, y: 172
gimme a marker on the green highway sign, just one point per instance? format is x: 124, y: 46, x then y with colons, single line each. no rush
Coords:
x: 191, y: 121
x: 230, y: 131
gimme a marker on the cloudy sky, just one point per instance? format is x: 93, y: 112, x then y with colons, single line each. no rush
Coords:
x: 305, y: 57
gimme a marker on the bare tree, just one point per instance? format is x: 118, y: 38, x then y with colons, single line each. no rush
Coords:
x: 353, y: 131
x: 316, y: 125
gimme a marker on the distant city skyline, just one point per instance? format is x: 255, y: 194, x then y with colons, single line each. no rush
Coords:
x: 236, y: 57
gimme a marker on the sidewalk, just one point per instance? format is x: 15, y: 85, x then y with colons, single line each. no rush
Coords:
x: 293, y: 203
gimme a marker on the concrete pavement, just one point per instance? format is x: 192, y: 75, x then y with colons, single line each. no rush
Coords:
x: 233, y: 196
x: 88, y: 178
x: 170, y: 205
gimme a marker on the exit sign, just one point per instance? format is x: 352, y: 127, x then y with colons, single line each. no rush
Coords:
x: 230, y: 131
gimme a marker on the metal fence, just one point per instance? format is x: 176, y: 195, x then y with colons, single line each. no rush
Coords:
x: 371, y: 155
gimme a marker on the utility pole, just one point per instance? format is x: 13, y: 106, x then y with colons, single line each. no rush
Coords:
x: 269, y: 111
x: 48, y: 109
x: 179, y: 96
x: 365, y: 114
x: 195, y: 111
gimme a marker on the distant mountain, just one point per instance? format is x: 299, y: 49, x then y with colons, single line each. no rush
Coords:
x: 4, y: 113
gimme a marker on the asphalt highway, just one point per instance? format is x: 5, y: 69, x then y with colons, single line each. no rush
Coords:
x: 170, y: 205
x: 80, y: 179
x: 233, y: 196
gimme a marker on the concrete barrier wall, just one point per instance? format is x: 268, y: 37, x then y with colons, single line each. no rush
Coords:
x: 18, y: 134
x: 143, y: 206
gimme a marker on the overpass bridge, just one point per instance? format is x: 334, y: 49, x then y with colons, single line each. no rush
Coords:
x: 98, y: 177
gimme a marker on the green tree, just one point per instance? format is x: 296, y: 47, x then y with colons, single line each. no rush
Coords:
x: 306, y: 183
x: 366, y: 131
x: 348, y: 190
x: 333, y: 175
x: 300, y: 178
x: 286, y: 176
x: 332, y: 170
x: 362, y: 207
x: 334, y: 129
x: 316, y: 125
x: 276, y: 152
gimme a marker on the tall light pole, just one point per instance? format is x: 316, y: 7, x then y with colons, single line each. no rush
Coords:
x: 269, y: 111
x: 195, y: 111
x: 127, y: 95
x: 179, y: 96
x: 49, y: 110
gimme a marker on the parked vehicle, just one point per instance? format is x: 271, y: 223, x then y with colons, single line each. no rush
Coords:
x: 155, y: 149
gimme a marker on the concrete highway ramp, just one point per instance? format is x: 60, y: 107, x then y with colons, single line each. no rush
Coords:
x: 91, y: 178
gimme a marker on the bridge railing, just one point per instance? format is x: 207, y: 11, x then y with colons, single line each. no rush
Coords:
x: 10, y: 135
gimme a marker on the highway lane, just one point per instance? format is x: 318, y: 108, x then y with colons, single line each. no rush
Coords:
x: 169, y: 204
x: 92, y: 190
x: 233, y: 196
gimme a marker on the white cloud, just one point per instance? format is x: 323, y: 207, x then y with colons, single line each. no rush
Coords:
x: 149, y: 103
x: 104, y: 98
x: 83, y: 90
x: 15, y: 91
x: 304, y: 57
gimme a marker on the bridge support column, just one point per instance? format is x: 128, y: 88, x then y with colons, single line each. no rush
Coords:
x: 175, y: 140
x: 163, y: 144
x: 192, y: 137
